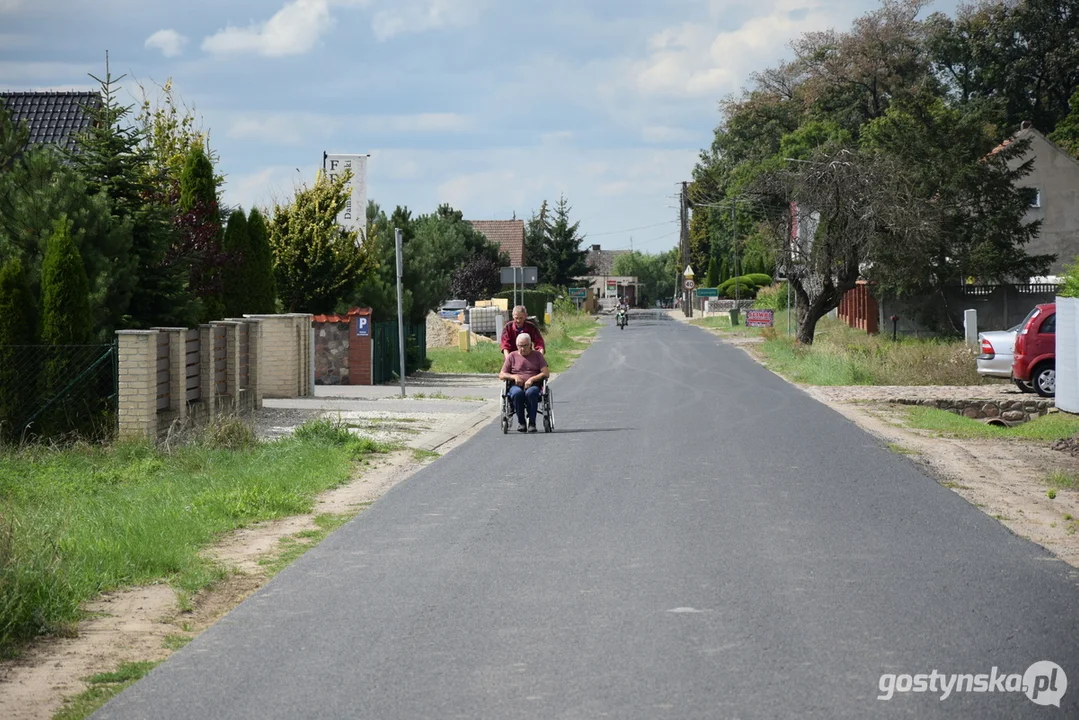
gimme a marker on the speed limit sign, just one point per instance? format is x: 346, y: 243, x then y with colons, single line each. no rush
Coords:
x: 689, y: 285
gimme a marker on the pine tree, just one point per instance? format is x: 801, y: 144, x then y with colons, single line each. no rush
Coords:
x: 537, y: 237
x: 565, y: 258
x: 236, y: 277
x: 724, y: 271
x: 17, y: 330
x: 259, y: 265
x: 200, y: 241
x: 66, y: 318
x: 712, y: 279
x: 112, y: 158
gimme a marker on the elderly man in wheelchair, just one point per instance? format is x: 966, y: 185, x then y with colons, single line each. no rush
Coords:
x: 525, y: 373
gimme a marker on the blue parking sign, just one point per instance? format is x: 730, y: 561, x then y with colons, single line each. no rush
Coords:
x: 363, y: 326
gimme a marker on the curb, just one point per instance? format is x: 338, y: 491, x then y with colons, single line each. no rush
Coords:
x: 432, y: 441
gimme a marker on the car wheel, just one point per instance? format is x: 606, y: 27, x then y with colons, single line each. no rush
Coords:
x: 1044, y: 379
x: 1023, y: 385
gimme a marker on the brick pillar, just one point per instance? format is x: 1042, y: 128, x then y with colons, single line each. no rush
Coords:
x: 254, y: 361
x: 230, y: 402
x: 360, y: 350
x: 872, y: 313
x: 137, y: 401
x: 207, y: 383
x: 177, y: 370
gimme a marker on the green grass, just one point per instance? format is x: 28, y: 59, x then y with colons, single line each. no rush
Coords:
x: 561, y: 338
x: 1064, y: 481
x: 1048, y: 427
x: 901, y: 450
x: 420, y: 455
x: 175, y: 642
x: 103, y: 687
x: 80, y: 521
x: 294, y: 546
x: 841, y: 355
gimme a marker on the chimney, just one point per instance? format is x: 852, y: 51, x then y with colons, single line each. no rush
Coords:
x: 1026, y: 125
x: 595, y: 248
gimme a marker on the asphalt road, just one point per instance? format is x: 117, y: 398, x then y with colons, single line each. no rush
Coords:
x: 697, y: 540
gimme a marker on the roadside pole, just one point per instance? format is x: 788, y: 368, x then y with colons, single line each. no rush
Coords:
x: 397, y: 236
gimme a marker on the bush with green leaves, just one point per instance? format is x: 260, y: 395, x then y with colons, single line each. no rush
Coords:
x: 772, y: 297
x: 1070, y: 281
x: 17, y: 328
x: 533, y: 300
x: 739, y: 290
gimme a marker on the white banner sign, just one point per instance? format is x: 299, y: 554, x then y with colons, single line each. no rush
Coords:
x: 354, y: 216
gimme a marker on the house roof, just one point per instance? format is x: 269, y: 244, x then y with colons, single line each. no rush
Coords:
x: 509, y: 234
x: 602, y: 261
x: 1027, y: 130
x: 52, y: 118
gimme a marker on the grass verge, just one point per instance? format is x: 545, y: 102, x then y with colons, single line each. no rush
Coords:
x: 103, y: 687
x: 566, y: 335
x: 841, y: 355
x: 1064, y: 481
x: 1054, y: 426
x: 84, y: 520
x: 294, y: 546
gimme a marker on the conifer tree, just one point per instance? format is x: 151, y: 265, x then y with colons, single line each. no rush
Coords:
x: 259, y: 265
x: 17, y: 330
x: 236, y: 276
x: 112, y: 158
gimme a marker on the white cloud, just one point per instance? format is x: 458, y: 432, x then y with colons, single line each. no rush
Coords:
x: 169, y: 42
x: 416, y: 16
x: 699, y: 60
x: 293, y: 30
x: 9, y: 6
x: 665, y: 134
x: 303, y: 128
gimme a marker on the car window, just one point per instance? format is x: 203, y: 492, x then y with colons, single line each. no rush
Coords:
x: 1022, y: 326
x: 1049, y: 325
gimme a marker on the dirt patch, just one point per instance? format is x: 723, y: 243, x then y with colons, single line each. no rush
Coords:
x: 1004, y: 478
x: 138, y: 623
x: 443, y: 333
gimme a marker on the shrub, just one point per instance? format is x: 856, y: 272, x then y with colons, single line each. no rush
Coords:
x: 534, y: 300
x: 758, y: 279
x: 740, y: 289
x: 1070, y: 287
x: 773, y: 297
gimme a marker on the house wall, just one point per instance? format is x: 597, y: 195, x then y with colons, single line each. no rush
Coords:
x: 1056, y: 176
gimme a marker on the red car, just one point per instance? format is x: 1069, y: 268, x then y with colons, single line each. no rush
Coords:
x: 1035, y: 359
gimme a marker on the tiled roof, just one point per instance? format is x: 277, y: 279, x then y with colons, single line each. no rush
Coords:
x: 52, y: 118
x: 509, y: 234
x: 346, y: 318
x: 602, y: 261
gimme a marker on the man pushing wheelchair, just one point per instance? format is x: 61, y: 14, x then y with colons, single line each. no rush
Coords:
x: 527, y: 369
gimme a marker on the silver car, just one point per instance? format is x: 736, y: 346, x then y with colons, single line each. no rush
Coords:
x: 996, y: 358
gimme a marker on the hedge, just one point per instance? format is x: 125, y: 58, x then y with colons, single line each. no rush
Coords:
x: 535, y: 301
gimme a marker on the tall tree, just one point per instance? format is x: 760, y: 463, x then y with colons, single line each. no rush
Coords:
x: 112, y: 158
x: 317, y: 263
x: 1066, y: 133
x: 537, y: 237
x: 199, y: 238
x: 237, y: 288
x: 17, y: 330
x: 66, y: 318
x: 259, y: 266
x: 565, y: 258
x: 842, y: 207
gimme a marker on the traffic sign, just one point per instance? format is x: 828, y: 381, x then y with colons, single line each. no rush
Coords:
x: 707, y: 292
x: 580, y: 293
x: 689, y: 284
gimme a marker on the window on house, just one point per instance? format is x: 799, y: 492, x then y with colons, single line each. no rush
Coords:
x: 1036, y: 201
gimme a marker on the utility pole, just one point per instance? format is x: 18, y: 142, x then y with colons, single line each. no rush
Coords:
x: 734, y: 247
x: 398, y: 237
x: 683, y: 214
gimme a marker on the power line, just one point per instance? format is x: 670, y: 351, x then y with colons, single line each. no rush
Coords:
x: 643, y: 227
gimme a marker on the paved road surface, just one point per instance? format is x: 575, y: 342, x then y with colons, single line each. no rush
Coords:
x: 698, y: 540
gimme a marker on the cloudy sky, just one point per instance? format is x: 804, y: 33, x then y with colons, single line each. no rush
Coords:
x: 490, y: 105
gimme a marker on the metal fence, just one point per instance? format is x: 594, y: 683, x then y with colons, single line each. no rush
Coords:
x: 52, y: 391
x: 387, y: 360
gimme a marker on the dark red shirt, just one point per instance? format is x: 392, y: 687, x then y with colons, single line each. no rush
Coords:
x: 511, y: 331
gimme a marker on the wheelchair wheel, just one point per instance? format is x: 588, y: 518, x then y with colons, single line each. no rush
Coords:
x: 548, y: 412
x: 505, y: 425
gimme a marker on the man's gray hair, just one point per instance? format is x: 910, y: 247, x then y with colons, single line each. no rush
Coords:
x: 526, y: 336
x: 522, y: 308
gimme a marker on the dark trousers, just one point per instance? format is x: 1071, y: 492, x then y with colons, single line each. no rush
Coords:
x: 521, y: 397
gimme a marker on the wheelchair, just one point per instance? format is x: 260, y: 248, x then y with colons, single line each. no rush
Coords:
x: 544, y: 410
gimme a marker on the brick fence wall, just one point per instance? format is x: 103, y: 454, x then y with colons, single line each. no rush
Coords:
x: 170, y: 376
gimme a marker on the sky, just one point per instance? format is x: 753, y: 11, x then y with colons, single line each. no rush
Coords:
x: 489, y: 105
